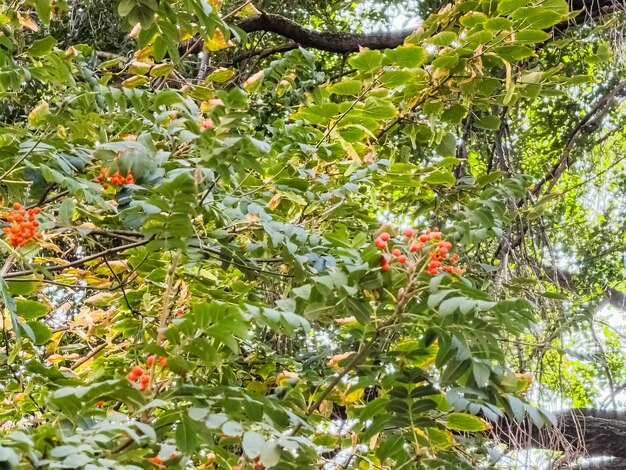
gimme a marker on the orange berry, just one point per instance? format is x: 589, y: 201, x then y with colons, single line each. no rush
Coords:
x: 424, y: 238
x: 142, y: 387
x: 36, y: 210
x: 138, y: 371
x: 235, y: 467
x: 396, y: 252
x: 437, y: 235
x: 173, y: 455
x: 433, y: 271
x: 384, y: 236
x: 16, y: 205
x: 100, y: 403
x: 163, y: 361
x: 380, y: 243
x: 408, y: 233
x: 150, y: 359
x: 402, y: 259
x: 130, y: 376
x: 155, y: 460
x: 385, y: 267
x: 144, y: 379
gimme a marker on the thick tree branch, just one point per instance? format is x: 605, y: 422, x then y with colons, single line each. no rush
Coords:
x: 325, y: 41
x: 584, y: 431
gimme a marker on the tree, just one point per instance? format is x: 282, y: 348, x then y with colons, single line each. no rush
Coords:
x: 239, y: 236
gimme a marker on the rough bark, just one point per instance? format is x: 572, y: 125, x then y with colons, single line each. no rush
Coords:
x: 326, y: 41
x: 581, y: 431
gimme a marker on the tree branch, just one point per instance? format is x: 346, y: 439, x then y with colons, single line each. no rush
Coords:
x: 325, y: 41
x: 585, y: 431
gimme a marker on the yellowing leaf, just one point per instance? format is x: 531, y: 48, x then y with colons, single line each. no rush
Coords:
x: 135, y: 81
x: 161, y: 70
x: 353, y: 397
x: 38, y: 114
x: 273, y: 203
x: 465, y: 422
x: 248, y: 10
x: 139, y: 68
x: 217, y: 42
x: 253, y: 83
x: 27, y: 22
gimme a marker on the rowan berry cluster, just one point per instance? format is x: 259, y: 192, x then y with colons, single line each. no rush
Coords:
x: 23, y: 225
x: 426, y: 248
x: 162, y: 360
x: 136, y: 374
x: 116, y: 180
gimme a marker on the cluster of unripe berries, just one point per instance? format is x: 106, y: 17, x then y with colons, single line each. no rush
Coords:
x: 116, y: 180
x: 428, y: 242
x: 23, y: 226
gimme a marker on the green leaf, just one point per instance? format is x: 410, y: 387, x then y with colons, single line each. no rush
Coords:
x: 531, y: 36
x: 491, y: 123
x: 378, y: 108
x: 440, y: 177
x: 186, y: 435
x: 66, y: 212
x: 508, y: 6
x: 367, y: 61
x: 253, y: 443
x: 498, y: 24
x: 361, y: 310
x: 30, y: 309
x: 346, y: 88
x: 473, y: 18
x: 41, y: 47
x: 406, y: 56
x: 454, y: 114
x: 465, y: 422
x: 444, y: 38
x: 41, y: 332
x: 43, y: 11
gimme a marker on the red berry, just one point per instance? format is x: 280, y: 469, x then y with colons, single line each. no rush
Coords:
x: 132, y: 377
x: 402, y: 259
x: 16, y: 205
x: 144, y: 379
x: 396, y: 252
x: 142, y: 387
x: 155, y: 460
x: 179, y: 312
x: 173, y: 455
x: 150, y: 359
x: 385, y: 267
x: 424, y: 238
x: 433, y: 271
x: 163, y: 361
x: 408, y: 233
x: 138, y: 371
x: 436, y: 229
x: 380, y: 243
x: 100, y: 403
x: 384, y: 236
x: 437, y: 235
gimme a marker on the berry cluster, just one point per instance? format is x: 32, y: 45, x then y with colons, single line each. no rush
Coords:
x: 23, y: 226
x: 137, y: 375
x: 116, y: 180
x: 427, y: 248
x: 150, y: 360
